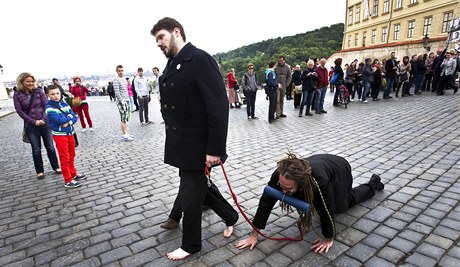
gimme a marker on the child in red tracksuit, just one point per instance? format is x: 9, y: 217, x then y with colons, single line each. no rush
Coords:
x: 61, y: 119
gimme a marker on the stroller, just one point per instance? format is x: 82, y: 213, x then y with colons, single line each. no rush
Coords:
x: 344, y: 97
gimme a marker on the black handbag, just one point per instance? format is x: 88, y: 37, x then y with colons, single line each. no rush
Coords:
x: 236, y: 86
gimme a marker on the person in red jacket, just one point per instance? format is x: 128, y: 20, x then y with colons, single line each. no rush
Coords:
x: 79, y: 90
x: 322, y: 83
x: 232, y: 98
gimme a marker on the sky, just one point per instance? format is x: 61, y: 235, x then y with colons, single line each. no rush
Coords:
x: 54, y: 38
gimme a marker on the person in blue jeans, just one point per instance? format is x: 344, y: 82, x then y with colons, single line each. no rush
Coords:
x: 391, y: 66
x: 30, y: 103
x: 309, y: 80
x: 323, y: 81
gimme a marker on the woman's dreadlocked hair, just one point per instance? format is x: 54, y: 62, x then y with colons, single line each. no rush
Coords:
x: 299, y: 170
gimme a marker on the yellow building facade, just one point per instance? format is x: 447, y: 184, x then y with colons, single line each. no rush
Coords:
x: 374, y: 28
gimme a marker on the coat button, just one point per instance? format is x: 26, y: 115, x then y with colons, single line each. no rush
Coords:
x: 173, y: 107
x: 165, y: 106
x: 172, y: 84
x: 174, y: 128
x: 164, y: 84
x: 166, y: 126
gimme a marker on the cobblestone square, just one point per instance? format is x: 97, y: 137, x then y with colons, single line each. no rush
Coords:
x: 114, y: 219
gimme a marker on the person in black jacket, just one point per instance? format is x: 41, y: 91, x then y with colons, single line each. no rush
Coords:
x: 195, y: 109
x: 325, y: 182
x: 338, y: 70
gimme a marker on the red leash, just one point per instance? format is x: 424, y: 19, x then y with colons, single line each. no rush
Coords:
x: 206, y: 171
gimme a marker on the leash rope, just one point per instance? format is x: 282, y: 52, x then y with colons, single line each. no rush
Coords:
x: 235, y: 199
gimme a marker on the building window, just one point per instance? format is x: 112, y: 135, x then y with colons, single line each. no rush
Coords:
x: 349, y: 40
x: 396, y: 33
x: 410, y: 29
x: 398, y: 4
x: 364, y: 38
x: 384, y: 34
x: 386, y: 4
x: 376, y: 8
x: 356, y: 39
x: 427, y: 26
x: 358, y: 13
x: 374, y: 36
x: 447, y: 18
x: 350, y: 16
x: 411, y: 2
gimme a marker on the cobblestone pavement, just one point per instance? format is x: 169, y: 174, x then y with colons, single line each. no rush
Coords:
x: 114, y: 218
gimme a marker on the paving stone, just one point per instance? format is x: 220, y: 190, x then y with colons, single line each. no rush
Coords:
x: 97, y: 249
x: 413, y: 236
x: 115, y: 255
x: 430, y: 251
x: 12, y: 257
x: 350, y: 236
x: 91, y: 262
x: 141, y: 258
x: 365, y: 225
x: 378, y: 262
x: 455, y: 252
x: 449, y: 261
x: 420, y: 260
x: 68, y: 259
x: 343, y: 260
x: 45, y: 257
x: 375, y: 241
x: 390, y: 254
x: 361, y: 252
x: 401, y: 244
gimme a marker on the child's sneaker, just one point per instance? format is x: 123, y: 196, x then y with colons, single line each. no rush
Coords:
x: 79, y: 177
x: 72, y: 184
x: 91, y: 129
x: 83, y: 130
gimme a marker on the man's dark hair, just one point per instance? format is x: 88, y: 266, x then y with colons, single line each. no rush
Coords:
x: 140, y: 69
x: 119, y: 67
x: 271, y: 64
x: 168, y: 24
x: 54, y: 79
x: 52, y: 87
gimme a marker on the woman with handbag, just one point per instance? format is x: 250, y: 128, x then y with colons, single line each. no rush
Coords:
x: 30, y: 103
x: 232, y: 87
x: 297, y: 85
x: 404, y: 73
x: 80, y: 91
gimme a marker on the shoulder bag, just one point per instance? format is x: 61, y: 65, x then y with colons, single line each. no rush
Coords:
x: 25, y: 137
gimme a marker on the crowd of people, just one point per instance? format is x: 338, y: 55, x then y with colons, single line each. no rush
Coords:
x: 432, y: 72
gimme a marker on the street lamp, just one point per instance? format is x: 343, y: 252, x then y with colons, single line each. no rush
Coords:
x: 426, y: 40
x: 1, y: 69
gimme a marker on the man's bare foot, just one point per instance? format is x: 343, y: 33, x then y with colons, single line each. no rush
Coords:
x: 228, y: 231
x: 177, y: 254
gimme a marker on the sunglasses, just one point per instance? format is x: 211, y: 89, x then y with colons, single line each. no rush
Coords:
x: 251, y: 68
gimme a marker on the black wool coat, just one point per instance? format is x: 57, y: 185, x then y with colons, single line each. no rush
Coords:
x: 194, y: 106
x: 334, y: 178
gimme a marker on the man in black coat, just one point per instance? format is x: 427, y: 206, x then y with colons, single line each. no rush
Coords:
x: 390, y: 66
x: 194, y: 106
x: 325, y: 182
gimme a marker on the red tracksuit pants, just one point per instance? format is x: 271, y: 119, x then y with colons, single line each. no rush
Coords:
x: 65, y: 145
x: 83, y: 109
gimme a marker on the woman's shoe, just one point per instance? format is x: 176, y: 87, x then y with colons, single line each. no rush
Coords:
x: 58, y: 171
x: 40, y: 176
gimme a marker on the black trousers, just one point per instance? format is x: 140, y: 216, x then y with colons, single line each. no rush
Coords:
x: 250, y: 102
x: 271, y: 105
x: 193, y: 193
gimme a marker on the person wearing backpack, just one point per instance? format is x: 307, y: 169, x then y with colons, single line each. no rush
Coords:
x: 271, y: 89
x: 249, y: 84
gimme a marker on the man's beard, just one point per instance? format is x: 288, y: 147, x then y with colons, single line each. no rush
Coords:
x: 171, y: 51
